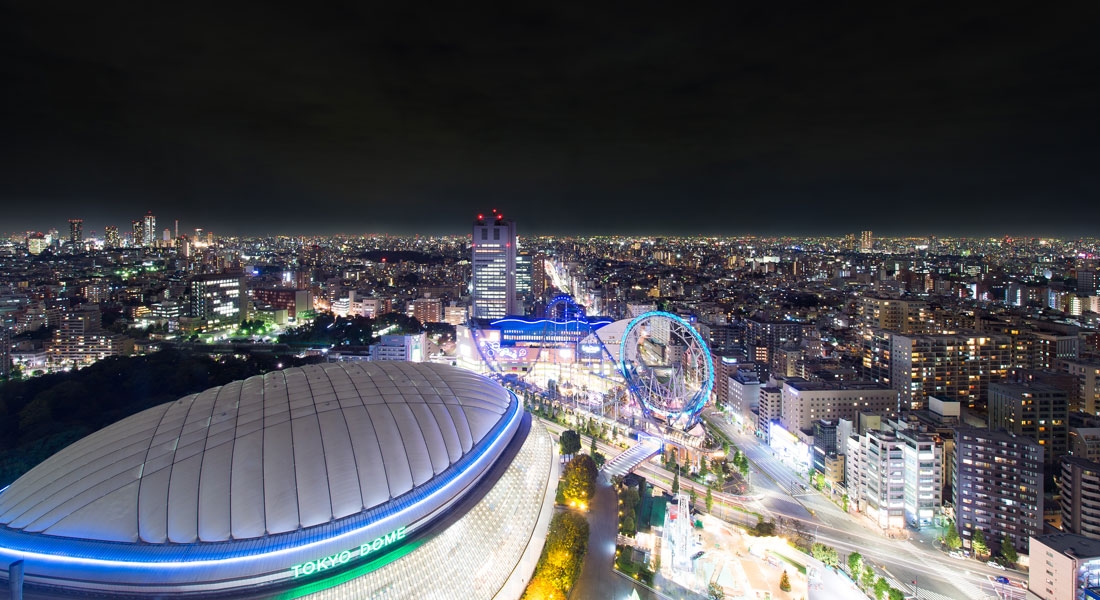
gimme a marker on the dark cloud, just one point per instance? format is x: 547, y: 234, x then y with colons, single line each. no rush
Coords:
x: 403, y: 117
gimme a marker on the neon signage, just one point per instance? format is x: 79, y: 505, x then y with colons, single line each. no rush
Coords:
x: 342, y: 558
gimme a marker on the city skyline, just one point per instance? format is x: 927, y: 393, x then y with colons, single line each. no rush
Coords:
x: 720, y: 121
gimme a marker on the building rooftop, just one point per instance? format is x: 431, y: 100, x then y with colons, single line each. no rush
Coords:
x: 1071, y: 544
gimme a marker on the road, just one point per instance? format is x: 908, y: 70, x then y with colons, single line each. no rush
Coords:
x: 938, y: 575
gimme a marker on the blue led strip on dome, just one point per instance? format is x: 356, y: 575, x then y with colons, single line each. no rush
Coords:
x: 46, y: 555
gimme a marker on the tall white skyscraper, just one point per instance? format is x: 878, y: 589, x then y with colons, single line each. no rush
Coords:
x: 149, y: 230
x: 493, y: 249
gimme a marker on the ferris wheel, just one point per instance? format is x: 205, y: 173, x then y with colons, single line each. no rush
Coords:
x: 667, y: 367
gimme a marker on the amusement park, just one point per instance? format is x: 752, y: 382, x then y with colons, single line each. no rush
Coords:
x: 651, y: 372
x: 643, y: 382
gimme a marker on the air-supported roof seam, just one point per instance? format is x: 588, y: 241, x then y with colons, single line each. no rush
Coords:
x: 202, y: 461
x: 141, y: 478
x: 321, y: 440
x: 293, y: 460
x: 412, y: 476
x: 44, y: 499
x: 462, y: 411
x: 172, y: 465
x: 377, y: 441
x: 439, y: 432
x: 351, y: 442
x: 423, y: 437
x: 232, y: 451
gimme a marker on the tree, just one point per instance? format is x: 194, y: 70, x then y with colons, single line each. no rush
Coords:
x: 570, y: 442
x: 978, y: 543
x: 896, y: 594
x: 709, y: 500
x: 692, y: 498
x: 826, y: 554
x: 881, y: 587
x: 951, y: 539
x: 855, y: 564
x: 592, y: 448
x: 1008, y: 551
x: 599, y: 459
x: 785, y: 582
x: 579, y: 482
x: 676, y: 483
x: 715, y: 592
x: 868, y: 578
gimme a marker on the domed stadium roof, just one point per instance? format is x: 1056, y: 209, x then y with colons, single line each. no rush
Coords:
x: 272, y: 454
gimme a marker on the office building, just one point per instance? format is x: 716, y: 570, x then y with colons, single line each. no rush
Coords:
x: 406, y: 348
x: 1035, y: 410
x: 807, y: 401
x: 1080, y: 496
x: 294, y: 301
x: 743, y: 394
x: 493, y: 259
x: 951, y: 367
x: 1064, y: 566
x: 998, y: 484
x: 218, y: 301
x: 336, y: 480
x: 866, y: 241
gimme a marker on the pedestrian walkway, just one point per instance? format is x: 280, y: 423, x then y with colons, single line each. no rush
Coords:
x: 630, y: 459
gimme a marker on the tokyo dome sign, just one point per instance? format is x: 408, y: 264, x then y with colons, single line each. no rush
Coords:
x: 342, y: 558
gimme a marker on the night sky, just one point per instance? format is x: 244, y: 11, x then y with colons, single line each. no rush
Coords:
x: 404, y: 118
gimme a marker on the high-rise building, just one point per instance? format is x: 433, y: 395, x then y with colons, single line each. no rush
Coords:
x: 894, y: 314
x: 149, y: 230
x: 866, y: 241
x: 998, y: 483
x: 763, y: 336
x: 218, y: 300
x: 493, y: 281
x: 137, y: 233
x: 1080, y: 496
x: 523, y: 274
x: 1087, y: 373
x: 110, y: 237
x: 1032, y: 409
x: 76, y: 231
x: 538, y: 275
x: 951, y: 367
x: 427, y: 310
x: 896, y: 476
x: 37, y: 243
x: 80, y: 340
